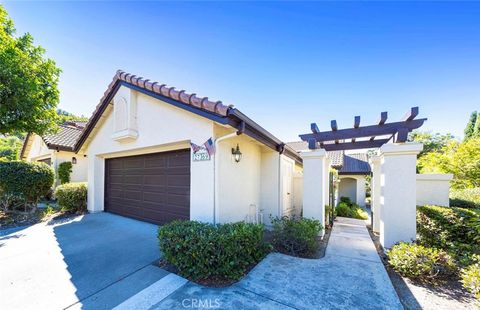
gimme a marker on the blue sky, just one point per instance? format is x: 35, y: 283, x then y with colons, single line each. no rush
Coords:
x: 283, y: 64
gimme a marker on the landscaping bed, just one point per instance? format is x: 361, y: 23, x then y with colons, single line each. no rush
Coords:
x: 220, y: 255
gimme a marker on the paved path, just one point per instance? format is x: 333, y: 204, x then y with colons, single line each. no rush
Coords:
x: 350, y: 276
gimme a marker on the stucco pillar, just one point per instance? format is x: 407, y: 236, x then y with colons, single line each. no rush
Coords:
x: 398, y: 192
x: 96, y: 181
x: 375, y: 191
x: 315, y: 184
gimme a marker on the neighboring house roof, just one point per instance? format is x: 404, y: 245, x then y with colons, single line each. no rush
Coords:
x: 214, y: 110
x: 344, y: 163
x: 63, y: 140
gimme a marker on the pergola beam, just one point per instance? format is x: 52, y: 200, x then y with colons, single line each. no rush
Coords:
x: 355, y: 145
x: 411, y: 114
x: 356, y: 124
x: 366, y: 131
x: 314, y: 128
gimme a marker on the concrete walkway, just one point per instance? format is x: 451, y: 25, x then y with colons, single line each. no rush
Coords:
x: 350, y: 276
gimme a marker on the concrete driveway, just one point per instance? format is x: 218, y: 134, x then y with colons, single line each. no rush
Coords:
x: 96, y: 261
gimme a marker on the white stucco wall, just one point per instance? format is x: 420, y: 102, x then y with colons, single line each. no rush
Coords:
x: 269, y: 185
x: 161, y: 127
x: 38, y: 149
x: 353, y: 186
x: 287, y: 170
x: 239, y: 183
x: 433, y: 189
x: 79, y: 170
x: 298, y: 192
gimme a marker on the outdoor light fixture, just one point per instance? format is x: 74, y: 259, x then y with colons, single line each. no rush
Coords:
x: 237, y: 155
x: 74, y: 160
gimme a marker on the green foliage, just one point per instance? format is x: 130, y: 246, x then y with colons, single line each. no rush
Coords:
x: 296, y: 236
x: 72, y: 197
x: 454, y: 230
x: 10, y: 148
x: 348, y: 209
x: 432, y: 142
x: 462, y: 159
x: 465, y: 198
x: 201, y: 250
x: 64, y: 171
x: 421, y: 263
x: 470, y: 128
x: 471, y: 277
x: 64, y: 116
x: 24, y: 182
x: 28, y: 83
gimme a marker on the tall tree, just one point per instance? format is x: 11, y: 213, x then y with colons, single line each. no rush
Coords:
x: 476, y: 131
x: 28, y: 83
x: 470, y: 129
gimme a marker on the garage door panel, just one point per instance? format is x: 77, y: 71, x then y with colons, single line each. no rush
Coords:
x: 153, y: 187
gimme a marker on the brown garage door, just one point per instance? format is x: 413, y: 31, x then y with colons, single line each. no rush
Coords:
x: 153, y: 187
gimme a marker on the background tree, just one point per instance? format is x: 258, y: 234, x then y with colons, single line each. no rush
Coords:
x: 470, y: 129
x: 28, y: 83
x: 476, y: 131
x: 10, y: 148
x: 64, y: 116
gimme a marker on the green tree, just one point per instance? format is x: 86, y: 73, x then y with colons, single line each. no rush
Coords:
x: 28, y: 83
x: 432, y: 142
x: 476, y: 131
x: 470, y: 129
x: 64, y: 116
x: 10, y: 148
x: 462, y: 159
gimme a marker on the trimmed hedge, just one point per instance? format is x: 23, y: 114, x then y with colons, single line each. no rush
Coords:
x: 201, y: 250
x: 296, y: 236
x: 72, y: 196
x: 455, y: 230
x: 26, y: 181
x: 465, y: 198
x: 421, y: 263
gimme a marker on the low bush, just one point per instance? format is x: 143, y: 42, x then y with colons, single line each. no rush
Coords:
x: 421, y: 263
x: 471, y: 278
x: 346, y: 200
x: 23, y: 183
x: 465, y: 198
x: 351, y: 210
x: 64, y: 171
x: 201, y: 251
x: 72, y: 197
x: 455, y: 230
x: 296, y: 236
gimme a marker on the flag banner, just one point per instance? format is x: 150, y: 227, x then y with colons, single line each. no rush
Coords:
x: 210, y: 146
x: 195, y: 148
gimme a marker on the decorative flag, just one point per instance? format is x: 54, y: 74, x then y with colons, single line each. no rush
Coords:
x: 210, y: 146
x: 195, y: 147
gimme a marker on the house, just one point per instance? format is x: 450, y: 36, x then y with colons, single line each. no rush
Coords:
x: 57, y: 148
x: 352, y: 172
x: 158, y: 154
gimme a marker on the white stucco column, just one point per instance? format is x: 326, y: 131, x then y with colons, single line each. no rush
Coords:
x: 315, y: 184
x: 398, y: 192
x: 375, y: 191
x: 96, y: 181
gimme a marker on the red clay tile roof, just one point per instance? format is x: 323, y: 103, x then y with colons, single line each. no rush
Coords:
x: 179, y: 95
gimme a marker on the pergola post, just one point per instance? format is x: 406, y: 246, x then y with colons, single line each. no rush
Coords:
x: 315, y: 184
x: 398, y: 192
x: 375, y: 191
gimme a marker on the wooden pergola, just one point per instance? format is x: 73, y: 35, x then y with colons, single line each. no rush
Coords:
x: 372, y: 136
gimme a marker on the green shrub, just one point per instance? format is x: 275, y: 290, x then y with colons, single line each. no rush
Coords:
x: 201, y: 250
x: 454, y: 230
x: 352, y: 210
x: 64, y: 171
x: 24, y: 182
x: 471, y: 278
x: 296, y: 236
x: 421, y: 263
x: 465, y: 198
x: 72, y: 196
x: 345, y: 200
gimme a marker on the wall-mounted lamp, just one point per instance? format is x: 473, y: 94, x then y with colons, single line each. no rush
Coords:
x: 74, y: 160
x: 237, y: 155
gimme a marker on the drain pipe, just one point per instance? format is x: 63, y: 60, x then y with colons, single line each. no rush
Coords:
x: 215, y: 168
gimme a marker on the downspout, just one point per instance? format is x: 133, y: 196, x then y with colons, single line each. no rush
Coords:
x: 215, y: 167
x: 280, y: 149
